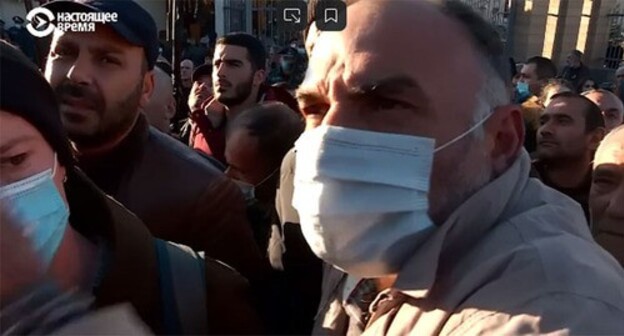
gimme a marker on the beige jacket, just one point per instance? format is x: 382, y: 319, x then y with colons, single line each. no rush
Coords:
x: 515, y: 258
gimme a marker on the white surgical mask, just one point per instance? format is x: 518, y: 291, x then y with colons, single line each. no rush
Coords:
x: 362, y: 196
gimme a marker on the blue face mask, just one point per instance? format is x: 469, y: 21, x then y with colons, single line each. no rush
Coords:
x: 522, y: 91
x: 42, y: 212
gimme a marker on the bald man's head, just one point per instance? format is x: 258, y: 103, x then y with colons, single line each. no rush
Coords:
x: 161, y: 105
x: 394, y: 68
x: 606, y: 199
x: 610, y: 105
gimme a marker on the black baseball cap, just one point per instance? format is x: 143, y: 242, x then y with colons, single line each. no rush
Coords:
x: 134, y: 23
x: 201, y: 71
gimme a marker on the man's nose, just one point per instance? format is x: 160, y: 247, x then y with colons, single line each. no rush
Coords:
x: 81, y: 71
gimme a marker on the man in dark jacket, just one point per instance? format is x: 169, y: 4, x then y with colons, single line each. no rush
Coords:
x: 74, y: 237
x: 101, y: 80
x: 575, y: 71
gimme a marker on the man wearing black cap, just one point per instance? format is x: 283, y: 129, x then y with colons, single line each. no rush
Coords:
x: 80, y: 238
x: 102, y: 79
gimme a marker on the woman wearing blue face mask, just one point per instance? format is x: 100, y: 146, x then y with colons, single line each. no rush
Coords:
x: 83, y: 240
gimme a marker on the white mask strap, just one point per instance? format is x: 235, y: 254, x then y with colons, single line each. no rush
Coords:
x: 55, y: 165
x: 461, y: 136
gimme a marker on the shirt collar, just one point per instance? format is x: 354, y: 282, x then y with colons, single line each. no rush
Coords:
x: 463, y: 228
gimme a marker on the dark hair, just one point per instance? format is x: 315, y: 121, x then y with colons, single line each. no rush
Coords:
x: 276, y: 126
x: 593, y: 115
x: 544, y: 67
x: 255, y: 49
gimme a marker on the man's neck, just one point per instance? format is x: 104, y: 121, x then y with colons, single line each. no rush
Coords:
x: 569, y: 173
x: 94, y: 151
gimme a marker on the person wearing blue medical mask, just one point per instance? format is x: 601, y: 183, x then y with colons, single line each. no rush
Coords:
x: 419, y: 181
x: 82, y: 239
x: 534, y: 75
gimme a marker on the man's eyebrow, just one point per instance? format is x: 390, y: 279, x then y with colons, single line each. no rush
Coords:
x: 389, y: 85
x: 607, y: 170
x: 11, y: 143
x: 107, y: 49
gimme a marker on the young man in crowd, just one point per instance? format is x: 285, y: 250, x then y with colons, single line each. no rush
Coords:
x: 570, y: 132
x: 610, y: 105
x: 416, y: 185
x: 74, y: 249
x: 534, y: 75
x: 238, y: 77
x: 607, y: 194
x: 102, y: 79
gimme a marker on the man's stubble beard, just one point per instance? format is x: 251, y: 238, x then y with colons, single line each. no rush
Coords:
x: 241, y: 93
x: 470, y: 170
x: 115, y: 122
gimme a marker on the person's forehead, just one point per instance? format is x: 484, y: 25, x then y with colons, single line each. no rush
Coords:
x: 374, y: 45
x: 14, y: 128
x: 565, y: 106
x: 611, y: 151
x: 241, y: 148
x: 528, y: 69
x: 104, y: 37
x: 604, y: 100
x: 231, y: 52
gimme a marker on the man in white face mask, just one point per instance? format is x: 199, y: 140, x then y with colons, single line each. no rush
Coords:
x: 418, y: 183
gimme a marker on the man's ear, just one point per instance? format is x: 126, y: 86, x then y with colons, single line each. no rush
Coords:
x: 595, y: 138
x: 148, y: 88
x: 259, y: 77
x: 506, y: 132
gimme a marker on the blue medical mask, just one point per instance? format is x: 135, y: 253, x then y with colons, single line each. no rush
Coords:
x: 362, y: 197
x: 42, y: 212
x: 522, y: 91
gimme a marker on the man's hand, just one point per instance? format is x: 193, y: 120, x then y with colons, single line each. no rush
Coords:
x: 215, y: 112
x: 200, y: 93
x: 19, y: 264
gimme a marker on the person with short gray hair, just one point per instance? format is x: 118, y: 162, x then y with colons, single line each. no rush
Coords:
x: 414, y: 182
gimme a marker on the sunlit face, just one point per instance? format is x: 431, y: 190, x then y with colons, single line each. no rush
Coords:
x: 233, y: 75
x: 359, y: 78
x: 186, y: 70
x: 606, y: 198
x: 611, y: 107
x: 24, y: 152
x: 101, y: 82
x: 561, y: 134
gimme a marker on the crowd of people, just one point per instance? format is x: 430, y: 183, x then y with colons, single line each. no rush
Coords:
x: 358, y: 186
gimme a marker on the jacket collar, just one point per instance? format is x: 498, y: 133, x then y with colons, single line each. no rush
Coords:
x: 463, y: 228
